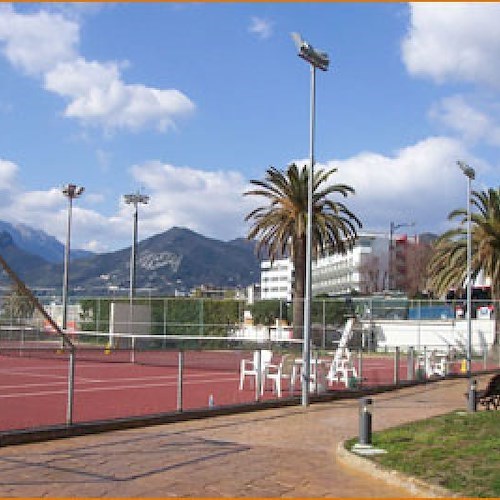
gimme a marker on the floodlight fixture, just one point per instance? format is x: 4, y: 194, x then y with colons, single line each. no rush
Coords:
x: 136, y: 198
x: 467, y: 170
x: 315, y: 57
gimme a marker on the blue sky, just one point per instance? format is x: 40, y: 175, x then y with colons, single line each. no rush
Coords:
x: 187, y: 102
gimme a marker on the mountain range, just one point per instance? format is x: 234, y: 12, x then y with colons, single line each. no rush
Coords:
x: 37, y: 242
x: 177, y: 259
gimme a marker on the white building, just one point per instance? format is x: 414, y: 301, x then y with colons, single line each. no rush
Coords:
x: 276, y: 279
x: 363, y: 269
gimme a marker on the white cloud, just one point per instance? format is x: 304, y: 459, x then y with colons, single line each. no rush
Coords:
x: 473, y: 124
x: 98, y: 96
x: 419, y: 183
x: 8, y: 172
x: 260, y: 27
x: 36, y: 42
x: 45, y: 44
x: 454, y: 42
x: 208, y: 202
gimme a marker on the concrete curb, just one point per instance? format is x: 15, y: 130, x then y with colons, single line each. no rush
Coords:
x: 414, y: 486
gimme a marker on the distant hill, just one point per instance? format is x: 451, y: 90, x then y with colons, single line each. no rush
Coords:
x: 176, y: 259
x: 427, y: 238
x: 37, y: 242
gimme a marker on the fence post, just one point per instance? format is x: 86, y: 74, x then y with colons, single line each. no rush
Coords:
x: 71, y: 386
x: 360, y: 367
x: 324, y: 326
x: 180, y: 379
x: 258, y: 378
x: 396, y: 366
x: 410, y: 368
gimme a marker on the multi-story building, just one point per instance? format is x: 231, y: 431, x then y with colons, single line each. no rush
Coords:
x: 363, y: 269
x: 276, y: 279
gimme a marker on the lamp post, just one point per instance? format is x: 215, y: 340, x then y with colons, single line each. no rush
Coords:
x: 393, y: 228
x: 319, y: 60
x: 71, y: 191
x: 134, y: 199
x: 470, y: 174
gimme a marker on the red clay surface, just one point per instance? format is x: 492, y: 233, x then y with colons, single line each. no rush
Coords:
x: 34, y: 392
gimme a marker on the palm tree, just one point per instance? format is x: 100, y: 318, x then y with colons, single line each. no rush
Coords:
x: 280, y: 225
x: 448, y: 265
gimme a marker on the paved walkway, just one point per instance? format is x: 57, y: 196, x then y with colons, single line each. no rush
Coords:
x: 286, y: 452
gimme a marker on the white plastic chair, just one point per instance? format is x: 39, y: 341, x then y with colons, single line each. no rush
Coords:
x: 285, y: 370
x: 250, y: 367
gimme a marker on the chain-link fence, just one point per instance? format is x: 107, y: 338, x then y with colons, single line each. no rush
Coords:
x: 170, y: 354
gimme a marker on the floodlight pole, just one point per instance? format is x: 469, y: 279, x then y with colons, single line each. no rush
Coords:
x: 71, y: 191
x: 316, y: 60
x: 134, y: 199
x: 470, y: 174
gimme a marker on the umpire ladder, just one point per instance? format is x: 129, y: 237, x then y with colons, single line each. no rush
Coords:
x: 342, y: 367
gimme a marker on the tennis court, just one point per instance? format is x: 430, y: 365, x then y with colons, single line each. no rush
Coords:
x: 34, y: 392
x: 142, y: 376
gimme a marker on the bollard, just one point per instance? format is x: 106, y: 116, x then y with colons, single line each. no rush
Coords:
x: 471, y: 402
x: 365, y: 421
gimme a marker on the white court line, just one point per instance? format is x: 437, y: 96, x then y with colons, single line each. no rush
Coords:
x: 122, y: 388
x: 42, y: 375
x: 20, y: 369
x: 80, y: 380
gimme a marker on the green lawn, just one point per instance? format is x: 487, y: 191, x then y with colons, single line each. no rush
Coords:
x: 459, y: 451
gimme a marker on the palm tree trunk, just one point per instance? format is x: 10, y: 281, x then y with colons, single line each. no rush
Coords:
x: 299, y: 262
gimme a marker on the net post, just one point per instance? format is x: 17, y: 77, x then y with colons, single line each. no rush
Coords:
x: 180, y: 380
x: 132, y: 350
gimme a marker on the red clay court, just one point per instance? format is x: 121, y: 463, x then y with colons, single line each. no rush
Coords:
x: 34, y: 391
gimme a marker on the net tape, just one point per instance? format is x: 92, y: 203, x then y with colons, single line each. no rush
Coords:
x: 202, y: 352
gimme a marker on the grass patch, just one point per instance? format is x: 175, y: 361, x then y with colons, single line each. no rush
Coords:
x: 459, y: 451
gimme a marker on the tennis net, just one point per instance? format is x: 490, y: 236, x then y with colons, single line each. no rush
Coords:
x: 201, y: 352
